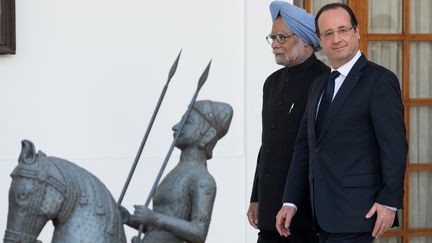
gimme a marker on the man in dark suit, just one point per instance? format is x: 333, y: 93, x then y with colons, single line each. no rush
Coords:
x: 351, y: 146
x: 285, y: 93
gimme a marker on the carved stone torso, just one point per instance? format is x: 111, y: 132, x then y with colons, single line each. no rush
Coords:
x: 174, y: 197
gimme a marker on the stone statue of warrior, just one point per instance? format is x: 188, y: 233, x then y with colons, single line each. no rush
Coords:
x: 183, y: 202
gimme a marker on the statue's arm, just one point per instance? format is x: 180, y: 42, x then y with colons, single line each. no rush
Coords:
x: 203, y: 195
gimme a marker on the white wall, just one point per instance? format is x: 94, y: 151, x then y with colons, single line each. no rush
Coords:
x: 87, y: 75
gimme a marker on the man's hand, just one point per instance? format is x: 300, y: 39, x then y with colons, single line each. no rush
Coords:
x: 283, y: 220
x: 144, y: 216
x: 252, y: 214
x: 385, y: 218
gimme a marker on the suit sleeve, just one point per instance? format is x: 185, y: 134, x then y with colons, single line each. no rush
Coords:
x: 254, y: 194
x: 265, y: 97
x: 387, y: 114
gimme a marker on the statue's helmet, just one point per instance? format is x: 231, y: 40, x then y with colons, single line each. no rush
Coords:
x: 217, y: 114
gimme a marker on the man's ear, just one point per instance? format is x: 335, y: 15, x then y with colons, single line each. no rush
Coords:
x: 209, y: 136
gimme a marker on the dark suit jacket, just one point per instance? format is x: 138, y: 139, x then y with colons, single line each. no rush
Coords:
x: 359, y: 157
x: 280, y: 123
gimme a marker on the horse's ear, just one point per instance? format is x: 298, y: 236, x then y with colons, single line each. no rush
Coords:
x: 28, y: 153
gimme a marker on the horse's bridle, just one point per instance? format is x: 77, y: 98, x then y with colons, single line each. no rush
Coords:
x: 67, y: 189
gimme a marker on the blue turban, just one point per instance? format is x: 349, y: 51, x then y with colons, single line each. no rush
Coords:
x: 297, y: 20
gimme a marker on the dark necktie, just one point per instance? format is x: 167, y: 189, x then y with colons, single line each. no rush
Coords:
x: 326, y: 100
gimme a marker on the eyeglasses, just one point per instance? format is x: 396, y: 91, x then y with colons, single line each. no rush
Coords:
x: 343, y: 32
x: 279, y: 37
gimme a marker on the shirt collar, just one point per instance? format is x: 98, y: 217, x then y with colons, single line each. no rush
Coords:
x: 346, y: 68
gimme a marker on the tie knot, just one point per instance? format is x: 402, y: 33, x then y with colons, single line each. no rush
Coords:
x: 334, y: 75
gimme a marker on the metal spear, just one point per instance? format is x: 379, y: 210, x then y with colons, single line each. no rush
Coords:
x: 137, y: 157
x: 201, y: 82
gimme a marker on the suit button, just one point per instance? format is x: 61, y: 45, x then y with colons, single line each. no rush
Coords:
x: 317, y: 150
x: 280, y: 102
x: 273, y: 126
x: 267, y: 175
x: 268, y: 150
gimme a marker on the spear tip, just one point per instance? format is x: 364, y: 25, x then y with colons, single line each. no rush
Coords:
x: 204, y: 75
x: 174, y: 66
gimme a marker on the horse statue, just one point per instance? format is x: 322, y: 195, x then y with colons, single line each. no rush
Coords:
x: 46, y: 188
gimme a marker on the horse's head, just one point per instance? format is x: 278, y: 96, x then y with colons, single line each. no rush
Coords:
x: 47, y: 188
x: 35, y: 196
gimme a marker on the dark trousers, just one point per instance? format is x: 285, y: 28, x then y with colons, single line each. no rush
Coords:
x: 325, y: 237
x: 297, y: 236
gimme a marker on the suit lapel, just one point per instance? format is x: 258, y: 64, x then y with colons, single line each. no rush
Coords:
x: 344, y: 91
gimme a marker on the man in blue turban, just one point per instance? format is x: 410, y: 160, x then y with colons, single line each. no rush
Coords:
x: 301, y: 23
x: 285, y: 93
